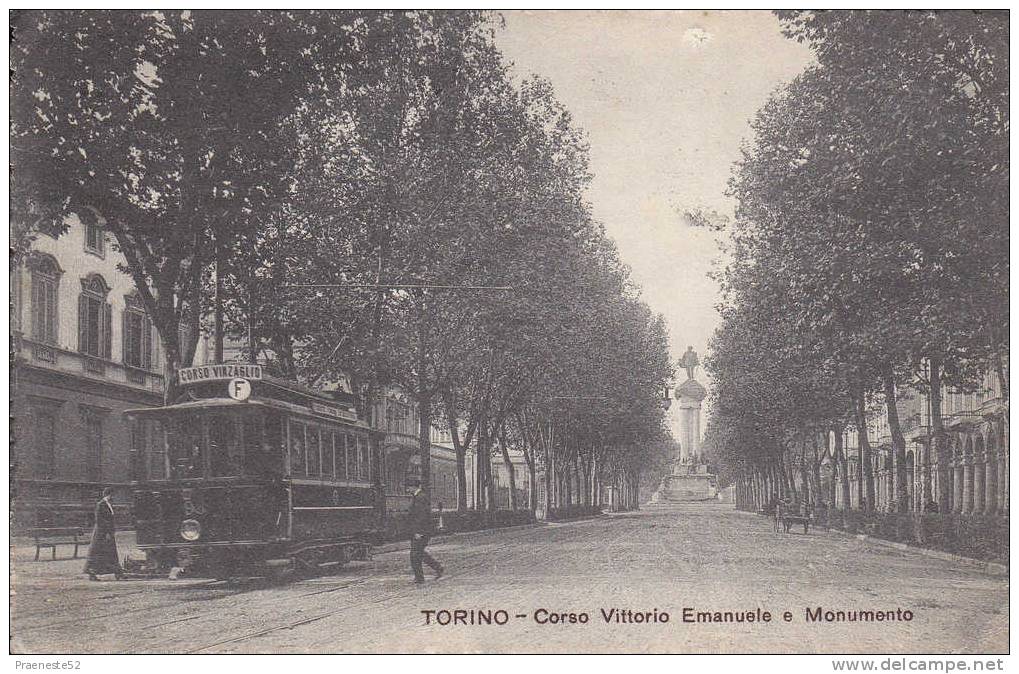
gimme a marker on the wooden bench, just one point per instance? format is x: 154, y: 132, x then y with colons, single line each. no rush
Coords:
x: 54, y: 536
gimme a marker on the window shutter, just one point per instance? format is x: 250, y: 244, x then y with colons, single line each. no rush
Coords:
x: 38, y: 326
x: 82, y: 324
x: 146, y: 339
x: 49, y: 290
x: 125, y: 339
x: 105, y: 330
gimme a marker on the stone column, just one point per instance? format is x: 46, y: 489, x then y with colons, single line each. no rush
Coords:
x: 957, y: 482
x: 893, y: 476
x: 1003, y: 461
x: 881, y: 488
x: 917, y: 477
x: 923, y: 469
x: 967, y: 485
x: 991, y: 484
x: 978, y: 485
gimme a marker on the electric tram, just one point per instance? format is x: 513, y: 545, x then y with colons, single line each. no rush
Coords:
x: 260, y: 473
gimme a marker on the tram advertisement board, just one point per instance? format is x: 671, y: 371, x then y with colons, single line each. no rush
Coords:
x: 191, y: 375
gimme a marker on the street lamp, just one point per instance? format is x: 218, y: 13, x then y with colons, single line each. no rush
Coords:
x: 666, y: 402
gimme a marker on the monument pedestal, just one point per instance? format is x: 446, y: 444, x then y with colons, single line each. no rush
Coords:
x: 687, y: 482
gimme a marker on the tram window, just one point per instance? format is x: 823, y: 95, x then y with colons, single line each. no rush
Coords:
x: 189, y: 460
x: 335, y: 456
x: 347, y: 450
x: 314, y: 455
x: 340, y: 456
x: 225, y: 451
x: 362, y: 458
x: 157, y: 455
x: 261, y: 444
x: 297, y: 464
x: 327, y: 454
x: 272, y: 449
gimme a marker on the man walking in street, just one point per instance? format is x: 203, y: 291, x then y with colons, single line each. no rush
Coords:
x: 420, y: 532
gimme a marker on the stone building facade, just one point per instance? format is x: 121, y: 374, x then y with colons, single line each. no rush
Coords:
x: 83, y: 352
x: 977, y: 427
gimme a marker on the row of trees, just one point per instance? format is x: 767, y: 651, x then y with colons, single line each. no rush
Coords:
x: 362, y: 195
x: 869, y: 253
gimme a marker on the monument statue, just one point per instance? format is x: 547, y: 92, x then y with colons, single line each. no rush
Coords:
x: 689, y: 478
x: 689, y: 362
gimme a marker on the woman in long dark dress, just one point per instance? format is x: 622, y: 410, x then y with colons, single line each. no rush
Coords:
x: 102, y: 553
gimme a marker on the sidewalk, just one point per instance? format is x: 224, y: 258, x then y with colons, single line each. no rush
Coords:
x: 993, y: 568
x: 23, y: 547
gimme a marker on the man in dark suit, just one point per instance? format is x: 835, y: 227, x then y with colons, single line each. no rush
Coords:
x: 420, y: 531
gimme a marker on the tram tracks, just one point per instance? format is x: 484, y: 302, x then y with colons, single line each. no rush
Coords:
x: 484, y: 560
x: 211, y: 584
x: 195, y: 615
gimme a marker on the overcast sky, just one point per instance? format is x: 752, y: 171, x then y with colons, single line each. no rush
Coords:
x: 666, y: 98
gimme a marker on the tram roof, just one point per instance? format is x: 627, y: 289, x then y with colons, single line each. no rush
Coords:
x: 204, y: 403
x: 230, y: 403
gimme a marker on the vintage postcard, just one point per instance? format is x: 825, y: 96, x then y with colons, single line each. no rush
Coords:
x: 551, y: 332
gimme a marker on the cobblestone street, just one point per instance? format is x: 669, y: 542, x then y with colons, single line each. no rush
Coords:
x: 706, y: 558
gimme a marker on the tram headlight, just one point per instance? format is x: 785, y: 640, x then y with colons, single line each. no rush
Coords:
x: 190, y: 530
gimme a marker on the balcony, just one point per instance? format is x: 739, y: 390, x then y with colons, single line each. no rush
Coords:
x: 59, y: 359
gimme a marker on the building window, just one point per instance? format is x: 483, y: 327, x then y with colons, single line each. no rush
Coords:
x: 94, y: 318
x: 95, y: 238
x: 137, y: 335
x: 92, y: 421
x: 15, y: 280
x: 45, y: 280
x: 44, y: 424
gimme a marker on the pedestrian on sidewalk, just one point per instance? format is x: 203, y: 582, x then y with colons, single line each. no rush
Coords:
x: 420, y: 533
x: 102, y: 551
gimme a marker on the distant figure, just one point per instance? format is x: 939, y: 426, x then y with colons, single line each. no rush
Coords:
x: 420, y: 533
x: 689, y: 362
x: 102, y: 552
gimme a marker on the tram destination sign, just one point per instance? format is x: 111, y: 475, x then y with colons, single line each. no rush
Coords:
x: 333, y: 411
x: 191, y: 375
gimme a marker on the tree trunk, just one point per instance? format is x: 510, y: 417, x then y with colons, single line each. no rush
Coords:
x: 939, y: 437
x: 815, y: 468
x: 217, y: 298
x: 901, y: 491
x: 585, y: 481
x: 546, y: 478
x: 866, y: 470
x: 509, y: 469
x: 532, y: 483
x: 786, y: 470
x: 424, y: 405
x: 491, y: 495
x: 171, y: 363
x: 548, y: 475
x: 809, y: 493
x: 461, y: 457
x: 843, y: 460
